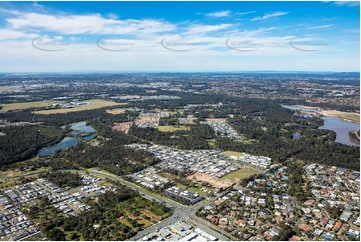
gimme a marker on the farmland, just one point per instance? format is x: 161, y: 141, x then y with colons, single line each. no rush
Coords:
x: 94, y: 104
x: 26, y: 105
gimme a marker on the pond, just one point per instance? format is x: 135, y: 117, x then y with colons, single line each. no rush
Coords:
x: 296, y: 135
x: 336, y: 124
x: 78, y: 130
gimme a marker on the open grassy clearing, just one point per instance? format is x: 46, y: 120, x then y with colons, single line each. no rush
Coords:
x: 240, y: 174
x: 21, y: 106
x: 13, y: 173
x: 116, y: 111
x: 355, y: 117
x: 195, y: 188
x: 173, y: 128
x: 94, y: 104
x: 232, y: 153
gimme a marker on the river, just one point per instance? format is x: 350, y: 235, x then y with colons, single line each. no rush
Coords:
x: 77, y: 130
x: 338, y: 125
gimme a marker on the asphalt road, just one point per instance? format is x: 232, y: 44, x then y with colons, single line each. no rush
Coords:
x: 180, y: 212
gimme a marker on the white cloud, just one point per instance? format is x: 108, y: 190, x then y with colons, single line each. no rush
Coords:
x: 7, y: 34
x: 269, y: 15
x: 219, y: 14
x: 37, y: 5
x: 275, y: 54
x: 347, y: 3
x: 87, y: 24
x: 202, y: 29
x: 244, y: 13
x: 326, y: 26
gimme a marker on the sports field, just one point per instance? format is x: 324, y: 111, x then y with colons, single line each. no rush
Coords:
x: 26, y: 105
x: 173, y: 128
x: 94, y: 104
x: 240, y: 174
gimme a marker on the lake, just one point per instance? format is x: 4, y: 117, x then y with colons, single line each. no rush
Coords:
x: 336, y: 124
x: 77, y: 128
x: 82, y: 127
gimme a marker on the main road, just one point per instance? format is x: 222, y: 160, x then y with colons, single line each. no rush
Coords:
x: 180, y: 212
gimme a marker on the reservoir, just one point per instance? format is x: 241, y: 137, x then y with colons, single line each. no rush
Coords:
x: 77, y: 129
x: 336, y: 124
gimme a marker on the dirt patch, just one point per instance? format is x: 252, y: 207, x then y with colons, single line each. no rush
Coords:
x: 148, y: 119
x: 187, y: 120
x: 116, y: 111
x: 130, y: 97
x: 220, y: 120
x: 123, y: 127
x: 213, y: 181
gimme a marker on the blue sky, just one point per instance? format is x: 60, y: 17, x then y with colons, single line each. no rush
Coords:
x: 179, y: 36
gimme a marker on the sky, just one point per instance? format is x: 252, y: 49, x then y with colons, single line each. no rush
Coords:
x: 179, y: 36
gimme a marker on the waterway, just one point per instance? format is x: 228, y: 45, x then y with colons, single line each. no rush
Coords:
x: 78, y: 131
x: 338, y: 125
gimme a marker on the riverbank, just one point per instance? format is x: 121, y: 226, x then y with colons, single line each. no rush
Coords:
x: 347, y: 116
x: 355, y: 136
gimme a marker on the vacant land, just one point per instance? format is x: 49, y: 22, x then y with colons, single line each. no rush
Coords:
x: 242, y: 173
x: 94, y: 104
x: 213, y: 181
x: 123, y: 127
x: 355, y: 117
x: 146, y: 119
x: 221, y: 120
x: 187, y: 120
x: 173, y: 128
x: 130, y: 96
x: 143, y: 212
x: 116, y: 111
x: 27, y: 105
x: 232, y: 153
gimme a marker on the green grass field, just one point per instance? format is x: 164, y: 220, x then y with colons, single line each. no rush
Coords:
x: 240, y: 174
x: 192, y: 189
x: 173, y: 128
x: 232, y: 153
x: 27, y: 105
x: 94, y: 104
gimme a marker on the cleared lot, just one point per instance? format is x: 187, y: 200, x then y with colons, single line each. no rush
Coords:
x: 232, y: 153
x: 242, y: 173
x: 116, y: 111
x: 172, y: 128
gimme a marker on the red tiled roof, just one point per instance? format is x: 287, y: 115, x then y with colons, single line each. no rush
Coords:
x: 305, y: 227
x: 294, y: 239
x: 324, y: 220
x: 338, y: 224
